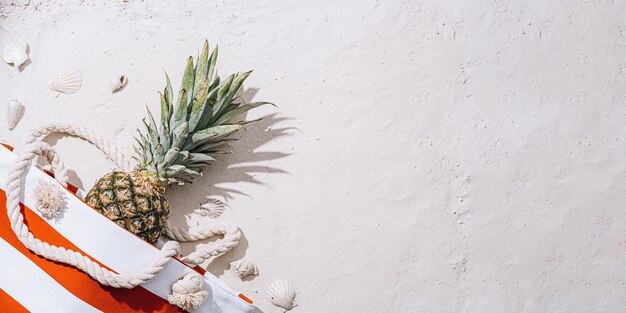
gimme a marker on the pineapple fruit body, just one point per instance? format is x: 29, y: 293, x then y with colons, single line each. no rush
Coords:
x: 131, y: 201
x: 193, y: 128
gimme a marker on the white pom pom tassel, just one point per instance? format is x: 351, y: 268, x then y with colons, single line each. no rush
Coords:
x: 187, y: 292
x: 50, y: 199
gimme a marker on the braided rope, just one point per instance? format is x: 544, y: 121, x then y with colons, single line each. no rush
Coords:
x: 104, y: 145
x: 187, y: 292
x: 231, y: 232
x: 60, y: 254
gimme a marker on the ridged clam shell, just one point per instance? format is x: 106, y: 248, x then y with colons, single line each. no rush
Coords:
x: 14, y: 51
x: 244, y: 268
x: 213, y: 208
x: 67, y: 82
x: 282, y: 293
x: 15, y: 113
x: 118, y: 83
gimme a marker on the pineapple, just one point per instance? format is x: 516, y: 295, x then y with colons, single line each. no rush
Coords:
x: 174, y: 150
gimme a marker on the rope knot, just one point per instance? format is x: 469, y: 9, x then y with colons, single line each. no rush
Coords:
x: 187, y: 292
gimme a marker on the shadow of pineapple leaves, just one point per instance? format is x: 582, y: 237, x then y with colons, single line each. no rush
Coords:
x: 239, y: 166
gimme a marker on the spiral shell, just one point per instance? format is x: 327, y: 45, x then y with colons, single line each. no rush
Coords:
x: 15, y: 51
x: 282, y: 293
x: 244, y: 268
x: 15, y: 113
x: 118, y: 83
x: 67, y: 82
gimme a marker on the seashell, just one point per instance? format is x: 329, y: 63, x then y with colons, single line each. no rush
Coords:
x: 15, y: 51
x: 212, y: 208
x: 282, y: 293
x: 14, y: 113
x: 244, y: 268
x: 118, y: 83
x: 67, y: 82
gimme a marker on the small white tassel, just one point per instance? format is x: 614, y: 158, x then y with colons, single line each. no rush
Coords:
x: 187, y: 292
x: 50, y: 199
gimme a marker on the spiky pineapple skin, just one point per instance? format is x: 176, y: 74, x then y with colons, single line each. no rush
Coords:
x: 132, y: 201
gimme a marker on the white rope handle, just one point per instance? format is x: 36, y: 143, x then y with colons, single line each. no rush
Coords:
x: 231, y: 232
x: 187, y: 292
x: 104, y: 145
x: 60, y: 254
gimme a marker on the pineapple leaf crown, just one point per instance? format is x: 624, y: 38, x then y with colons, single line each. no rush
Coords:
x: 190, y: 133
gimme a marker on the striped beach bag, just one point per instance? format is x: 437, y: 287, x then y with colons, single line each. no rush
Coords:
x: 79, y: 261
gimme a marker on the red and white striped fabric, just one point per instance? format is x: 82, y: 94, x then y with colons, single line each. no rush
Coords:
x: 30, y: 283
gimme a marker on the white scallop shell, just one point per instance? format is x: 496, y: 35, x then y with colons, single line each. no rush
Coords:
x: 14, y: 113
x: 15, y: 51
x: 213, y: 208
x: 118, y: 83
x: 67, y: 82
x: 244, y: 268
x: 282, y: 293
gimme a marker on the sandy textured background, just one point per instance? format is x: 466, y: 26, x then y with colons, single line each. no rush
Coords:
x: 426, y: 156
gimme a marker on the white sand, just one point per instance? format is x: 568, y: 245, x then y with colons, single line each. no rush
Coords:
x: 425, y: 157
